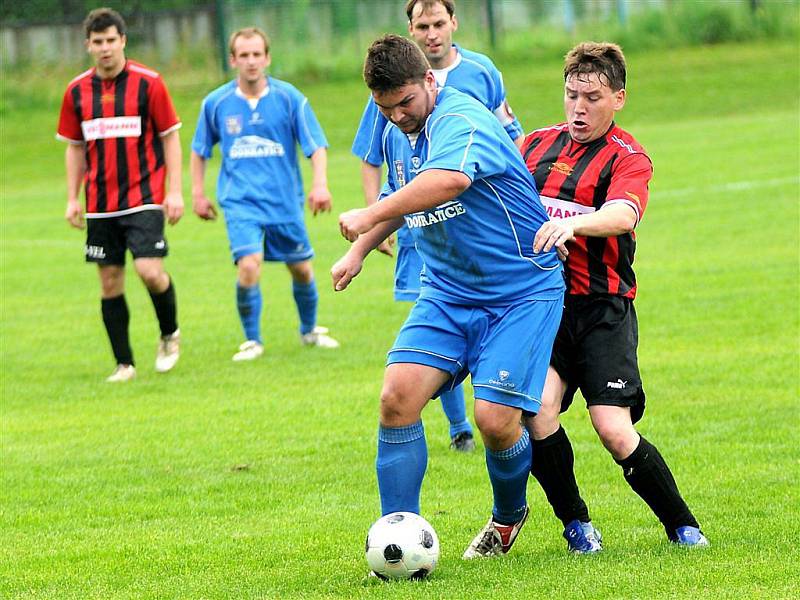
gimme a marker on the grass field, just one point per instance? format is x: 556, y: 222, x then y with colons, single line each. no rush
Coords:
x: 223, y: 480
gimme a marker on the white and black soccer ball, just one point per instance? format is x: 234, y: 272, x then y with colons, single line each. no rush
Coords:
x: 402, y: 545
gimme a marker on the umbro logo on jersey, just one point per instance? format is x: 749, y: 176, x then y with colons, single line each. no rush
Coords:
x: 160, y: 245
x: 562, y: 168
x: 617, y: 385
x: 634, y: 197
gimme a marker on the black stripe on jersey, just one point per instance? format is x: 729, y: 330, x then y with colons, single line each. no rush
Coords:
x: 627, y: 278
x: 596, y: 246
x: 123, y: 181
x: 534, y: 144
x: 97, y: 112
x: 144, y: 169
x: 548, y: 158
x: 77, y: 104
x: 570, y: 184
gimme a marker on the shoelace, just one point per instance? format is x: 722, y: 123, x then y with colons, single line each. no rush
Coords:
x: 488, y: 542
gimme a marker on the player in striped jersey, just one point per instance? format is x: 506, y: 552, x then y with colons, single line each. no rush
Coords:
x: 123, y: 146
x: 593, y: 180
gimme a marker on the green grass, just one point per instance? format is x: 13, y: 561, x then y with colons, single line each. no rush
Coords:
x: 225, y: 480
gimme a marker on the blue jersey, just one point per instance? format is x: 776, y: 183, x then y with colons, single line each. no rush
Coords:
x: 472, y: 73
x: 260, y: 176
x: 478, y: 247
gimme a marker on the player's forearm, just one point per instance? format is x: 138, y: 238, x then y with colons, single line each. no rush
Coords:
x: 173, y: 159
x: 367, y: 242
x: 75, y: 159
x: 427, y: 190
x: 197, y: 170
x: 319, y: 168
x: 370, y: 182
x: 609, y: 221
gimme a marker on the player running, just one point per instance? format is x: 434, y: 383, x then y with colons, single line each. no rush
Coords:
x: 487, y: 306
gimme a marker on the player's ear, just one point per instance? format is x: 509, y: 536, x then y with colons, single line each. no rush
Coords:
x: 124, y: 39
x: 455, y: 23
x: 619, y: 99
x: 268, y: 60
x: 231, y: 60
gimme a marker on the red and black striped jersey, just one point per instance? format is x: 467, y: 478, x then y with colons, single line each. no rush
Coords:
x: 575, y: 178
x: 121, y: 122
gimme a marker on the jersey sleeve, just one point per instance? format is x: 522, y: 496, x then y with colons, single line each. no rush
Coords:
x: 629, y: 183
x: 69, y: 128
x: 206, y: 133
x: 367, y: 142
x: 161, y: 108
x: 307, y: 129
x: 457, y: 143
x: 502, y: 110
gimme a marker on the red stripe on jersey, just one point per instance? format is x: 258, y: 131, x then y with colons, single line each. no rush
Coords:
x: 581, y: 178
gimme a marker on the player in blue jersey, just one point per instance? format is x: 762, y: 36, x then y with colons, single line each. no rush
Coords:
x: 487, y: 306
x: 258, y: 121
x: 431, y: 24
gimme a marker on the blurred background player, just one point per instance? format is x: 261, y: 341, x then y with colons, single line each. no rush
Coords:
x: 258, y: 122
x: 593, y: 179
x: 431, y: 24
x: 487, y: 306
x: 122, y: 134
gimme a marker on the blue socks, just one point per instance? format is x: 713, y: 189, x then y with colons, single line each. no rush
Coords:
x: 248, y: 301
x: 305, y: 297
x: 455, y: 410
x: 508, y: 472
x: 401, y: 463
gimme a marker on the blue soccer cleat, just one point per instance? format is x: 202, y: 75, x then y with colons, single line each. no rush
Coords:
x: 582, y: 538
x: 689, y: 536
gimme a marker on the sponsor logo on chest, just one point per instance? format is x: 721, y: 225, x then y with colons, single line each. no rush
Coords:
x: 253, y: 146
x: 449, y: 210
x: 561, y: 209
x: 111, y: 127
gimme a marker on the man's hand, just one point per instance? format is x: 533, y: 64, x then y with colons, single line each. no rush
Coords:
x: 319, y: 200
x: 74, y: 214
x: 554, y: 234
x: 345, y: 269
x: 355, y: 222
x: 203, y: 207
x: 387, y: 246
x: 173, y: 207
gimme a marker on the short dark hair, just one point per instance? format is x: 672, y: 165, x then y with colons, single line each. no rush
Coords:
x: 101, y: 19
x: 247, y: 32
x: 603, y: 58
x: 392, y: 62
x: 449, y: 5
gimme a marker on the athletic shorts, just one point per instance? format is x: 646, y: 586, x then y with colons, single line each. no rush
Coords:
x: 141, y: 232
x: 284, y: 242
x: 595, y: 352
x: 406, y: 274
x: 506, y: 349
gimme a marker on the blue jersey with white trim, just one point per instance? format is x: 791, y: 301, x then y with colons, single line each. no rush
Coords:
x: 478, y: 247
x: 260, y: 175
x: 472, y: 73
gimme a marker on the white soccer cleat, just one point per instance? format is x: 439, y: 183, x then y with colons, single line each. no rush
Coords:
x: 494, y: 539
x: 318, y: 337
x: 169, y: 351
x: 122, y: 373
x: 250, y: 350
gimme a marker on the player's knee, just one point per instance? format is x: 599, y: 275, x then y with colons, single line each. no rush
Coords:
x: 249, y: 270
x: 618, y: 438
x: 393, y: 404
x: 497, y: 429
x: 302, y: 272
x: 152, y: 276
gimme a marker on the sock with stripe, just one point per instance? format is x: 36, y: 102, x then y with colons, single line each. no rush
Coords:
x: 508, y: 472
x: 306, y: 298
x: 248, y: 301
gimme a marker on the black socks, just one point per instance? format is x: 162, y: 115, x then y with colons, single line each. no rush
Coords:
x: 166, y: 309
x: 116, y: 319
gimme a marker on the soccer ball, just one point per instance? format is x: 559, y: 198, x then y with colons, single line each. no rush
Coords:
x: 402, y: 545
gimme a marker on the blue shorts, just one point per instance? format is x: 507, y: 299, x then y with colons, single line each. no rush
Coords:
x: 406, y: 274
x: 506, y: 349
x: 284, y: 242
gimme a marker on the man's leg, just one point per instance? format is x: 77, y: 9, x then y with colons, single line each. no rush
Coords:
x: 402, y: 450
x: 115, y: 311
x: 306, y: 298
x: 455, y: 410
x: 162, y: 292
x: 645, y: 471
x: 248, y: 296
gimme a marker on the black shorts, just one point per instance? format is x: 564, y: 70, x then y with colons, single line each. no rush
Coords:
x: 141, y: 232
x: 595, y: 352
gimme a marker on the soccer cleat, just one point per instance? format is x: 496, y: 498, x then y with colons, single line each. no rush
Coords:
x: 169, y: 351
x: 122, y: 373
x: 582, y: 538
x: 494, y: 539
x: 689, y: 536
x: 249, y: 350
x: 318, y: 337
x: 463, y: 442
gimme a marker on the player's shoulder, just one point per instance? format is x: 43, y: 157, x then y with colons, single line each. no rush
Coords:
x: 215, y: 96
x: 284, y: 88
x: 623, y: 142
x: 81, y: 78
x: 142, y: 70
x: 476, y: 60
x: 551, y: 131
